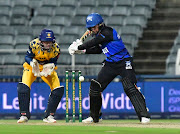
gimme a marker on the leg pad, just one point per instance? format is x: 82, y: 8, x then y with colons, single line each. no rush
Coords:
x: 136, y: 98
x: 53, y: 101
x: 95, y: 100
x: 24, y: 99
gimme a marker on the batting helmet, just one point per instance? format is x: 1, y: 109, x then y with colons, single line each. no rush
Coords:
x: 47, y: 35
x: 93, y: 19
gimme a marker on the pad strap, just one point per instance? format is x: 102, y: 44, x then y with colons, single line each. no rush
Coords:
x: 94, y: 88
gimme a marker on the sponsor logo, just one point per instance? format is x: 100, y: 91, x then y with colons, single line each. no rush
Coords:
x: 105, y: 50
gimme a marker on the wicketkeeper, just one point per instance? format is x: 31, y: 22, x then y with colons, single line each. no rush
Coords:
x: 118, y: 62
x: 40, y: 61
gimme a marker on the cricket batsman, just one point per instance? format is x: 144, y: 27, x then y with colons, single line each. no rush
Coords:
x: 40, y: 61
x: 118, y: 62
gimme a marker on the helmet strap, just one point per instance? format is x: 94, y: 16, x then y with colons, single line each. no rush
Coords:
x: 101, y: 26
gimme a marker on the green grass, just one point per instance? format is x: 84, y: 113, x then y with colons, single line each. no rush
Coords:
x: 106, y: 127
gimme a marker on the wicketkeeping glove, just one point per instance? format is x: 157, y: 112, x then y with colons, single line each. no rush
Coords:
x: 47, y: 69
x: 35, y: 68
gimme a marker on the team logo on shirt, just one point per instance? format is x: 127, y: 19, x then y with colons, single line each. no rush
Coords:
x: 105, y: 50
x: 128, y: 65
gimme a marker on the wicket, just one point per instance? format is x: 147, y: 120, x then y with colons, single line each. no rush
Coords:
x: 73, y: 96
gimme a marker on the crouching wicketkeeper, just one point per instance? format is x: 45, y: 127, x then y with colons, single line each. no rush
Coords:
x: 40, y: 61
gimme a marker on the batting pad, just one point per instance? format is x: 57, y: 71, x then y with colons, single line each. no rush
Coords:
x: 136, y: 98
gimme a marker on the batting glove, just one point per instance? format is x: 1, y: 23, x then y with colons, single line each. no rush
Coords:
x: 78, y: 42
x: 73, y: 48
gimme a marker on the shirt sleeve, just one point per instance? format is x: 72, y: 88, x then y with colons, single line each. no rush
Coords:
x: 29, y: 56
x: 105, y: 36
x: 94, y: 50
